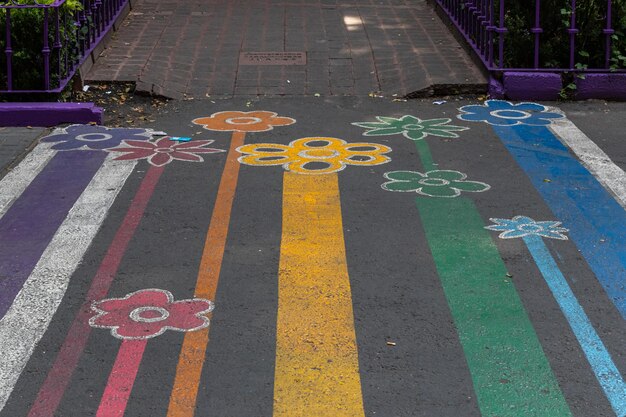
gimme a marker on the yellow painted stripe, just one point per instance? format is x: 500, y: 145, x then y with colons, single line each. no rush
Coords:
x: 317, y: 370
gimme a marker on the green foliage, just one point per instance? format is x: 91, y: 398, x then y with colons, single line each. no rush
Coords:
x: 555, y: 40
x: 27, y: 42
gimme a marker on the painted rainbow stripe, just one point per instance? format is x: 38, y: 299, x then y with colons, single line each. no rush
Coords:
x: 28, y: 317
x: 59, y: 376
x: 597, y: 223
x: 317, y: 368
x: 29, y: 225
x: 510, y: 371
x: 511, y: 374
x: 599, y: 358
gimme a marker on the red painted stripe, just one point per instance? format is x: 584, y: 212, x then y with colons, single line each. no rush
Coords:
x: 53, y: 388
x: 122, y: 378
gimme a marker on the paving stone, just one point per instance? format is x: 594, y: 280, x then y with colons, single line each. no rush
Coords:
x: 177, y: 41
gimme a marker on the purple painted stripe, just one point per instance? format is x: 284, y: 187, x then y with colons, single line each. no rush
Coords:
x: 29, y: 225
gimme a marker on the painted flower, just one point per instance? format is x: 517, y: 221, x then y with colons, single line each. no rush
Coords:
x: 520, y: 226
x: 94, y: 137
x: 145, y: 314
x: 504, y: 113
x: 314, y: 155
x: 437, y: 183
x: 411, y: 127
x: 164, y: 151
x: 240, y: 121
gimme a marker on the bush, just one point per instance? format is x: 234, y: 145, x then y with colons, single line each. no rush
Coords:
x: 555, y: 40
x: 27, y: 43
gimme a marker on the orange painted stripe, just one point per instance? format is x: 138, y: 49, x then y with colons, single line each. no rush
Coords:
x: 191, y: 360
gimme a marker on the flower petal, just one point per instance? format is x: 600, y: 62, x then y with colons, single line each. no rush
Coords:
x: 383, y: 132
x: 186, y: 156
x: 438, y: 191
x: 471, y: 186
x: 160, y: 159
x: 371, y: 125
x: 391, y: 121
x: 193, y: 144
x: 404, y: 176
x: 401, y: 186
x: 446, y: 174
x: 435, y: 122
x: 415, y: 134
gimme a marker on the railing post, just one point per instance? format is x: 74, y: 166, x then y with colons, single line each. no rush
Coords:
x: 572, y: 36
x: 9, y: 51
x: 608, y: 33
x: 501, y: 30
x: 46, y: 51
x: 57, y: 41
x: 537, y: 30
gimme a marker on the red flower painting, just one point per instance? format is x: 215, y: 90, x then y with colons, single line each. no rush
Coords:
x: 148, y: 313
x: 164, y: 151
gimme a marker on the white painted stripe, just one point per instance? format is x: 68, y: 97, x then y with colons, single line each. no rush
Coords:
x: 15, y: 182
x: 612, y: 177
x: 31, y: 312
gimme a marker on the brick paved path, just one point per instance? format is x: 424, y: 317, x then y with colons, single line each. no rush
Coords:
x: 192, y: 48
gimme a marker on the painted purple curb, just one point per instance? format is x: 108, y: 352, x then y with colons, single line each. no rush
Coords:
x: 29, y: 225
x: 601, y: 86
x: 496, y: 89
x: 49, y: 114
x: 532, y: 85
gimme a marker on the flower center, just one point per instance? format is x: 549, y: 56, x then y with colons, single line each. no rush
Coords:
x: 164, y: 150
x: 412, y: 127
x: 318, y: 153
x: 93, y: 137
x: 149, y: 314
x: 437, y: 182
x: 243, y: 120
x: 531, y: 228
x: 511, y: 114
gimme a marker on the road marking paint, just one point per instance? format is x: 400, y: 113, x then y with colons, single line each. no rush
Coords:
x: 597, y: 223
x: 189, y: 368
x: 59, y: 376
x: 16, y: 181
x: 29, y: 225
x: 121, y: 379
x: 511, y: 374
x: 599, y: 358
x: 592, y: 157
x: 34, y: 306
x: 317, y: 369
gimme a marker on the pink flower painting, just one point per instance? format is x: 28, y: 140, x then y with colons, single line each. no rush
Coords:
x: 164, y: 151
x: 148, y: 313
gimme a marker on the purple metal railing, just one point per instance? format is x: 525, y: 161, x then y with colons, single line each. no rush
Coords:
x: 67, y: 37
x: 483, y: 25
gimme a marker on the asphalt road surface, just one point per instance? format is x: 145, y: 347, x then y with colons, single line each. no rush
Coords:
x: 318, y: 257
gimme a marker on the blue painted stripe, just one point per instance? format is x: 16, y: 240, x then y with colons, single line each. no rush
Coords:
x: 597, y: 223
x: 30, y: 224
x: 599, y: 358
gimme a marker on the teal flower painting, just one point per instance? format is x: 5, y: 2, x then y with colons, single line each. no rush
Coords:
x: 410, y: 127
x: 521, y: 226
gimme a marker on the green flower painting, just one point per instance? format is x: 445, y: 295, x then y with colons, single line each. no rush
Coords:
x: 410, y: 127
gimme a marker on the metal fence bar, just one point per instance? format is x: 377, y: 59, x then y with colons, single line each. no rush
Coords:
x: 483, y: 24
x: 608, y: 33
x: 67, y: 39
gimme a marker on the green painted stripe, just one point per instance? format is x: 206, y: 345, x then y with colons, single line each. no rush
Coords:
x: 511, y: 375
x: 425, y: 155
